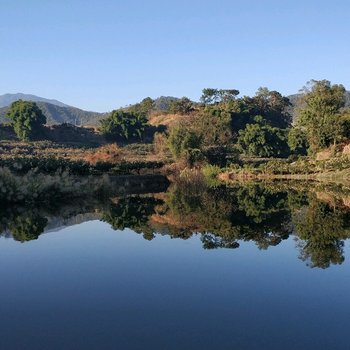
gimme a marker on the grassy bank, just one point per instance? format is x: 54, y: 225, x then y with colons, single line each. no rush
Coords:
x: 335, y: 169
x: 49, y: 157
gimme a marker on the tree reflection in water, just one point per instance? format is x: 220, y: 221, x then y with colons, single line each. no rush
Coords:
x: 223, y: 217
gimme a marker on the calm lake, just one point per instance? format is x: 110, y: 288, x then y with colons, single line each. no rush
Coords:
x: 247, y: 267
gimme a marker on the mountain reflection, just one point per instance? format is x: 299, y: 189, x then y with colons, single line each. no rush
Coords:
x: 318, y: 219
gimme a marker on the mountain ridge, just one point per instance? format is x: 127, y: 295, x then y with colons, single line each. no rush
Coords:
x: 8, y: 99
x: 58, y: 115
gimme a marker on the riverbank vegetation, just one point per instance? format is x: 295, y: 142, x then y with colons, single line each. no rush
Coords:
x: 267, y: 134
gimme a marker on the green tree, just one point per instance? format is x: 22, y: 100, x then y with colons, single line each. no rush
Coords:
x: 318, y: 113
x: 263, y: 141
x: 214, y: 125
x: 212, y: 96
x: 271, y: 105
x: 27, y: 119
x: 184, y: 144
x: 297, y: 141
x: 123, y: 126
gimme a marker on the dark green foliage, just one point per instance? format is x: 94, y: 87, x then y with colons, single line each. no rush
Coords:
x: 263, y: 141
x: 123, y: 126
x: 297, y: 141
x: 27, y: 119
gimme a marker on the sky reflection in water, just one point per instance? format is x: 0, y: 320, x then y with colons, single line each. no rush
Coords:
x: 93, y: 286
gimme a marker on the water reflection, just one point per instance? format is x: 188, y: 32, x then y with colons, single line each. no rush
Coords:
x: 317, y: 218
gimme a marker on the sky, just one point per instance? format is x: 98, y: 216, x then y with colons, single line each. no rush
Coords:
x: 103, y: 54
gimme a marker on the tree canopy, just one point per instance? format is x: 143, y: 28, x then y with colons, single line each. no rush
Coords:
x: 27, y: 119
x: 261, y: 140
x: 210, y: 96
x: 318, y: 113
x: 123, y: 126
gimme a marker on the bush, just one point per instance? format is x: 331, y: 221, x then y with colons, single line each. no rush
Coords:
x: 123, y: 126
x: 263, y: 141
x: 27, y: 119
x: 184, y: 144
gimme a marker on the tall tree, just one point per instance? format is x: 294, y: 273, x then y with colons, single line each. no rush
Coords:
x: 211, y: 96
x: 318, y: 113
x: 27, y: 119
x: 271, y: 105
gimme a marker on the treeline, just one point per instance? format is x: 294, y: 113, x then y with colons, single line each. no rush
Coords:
x: 222, y: 125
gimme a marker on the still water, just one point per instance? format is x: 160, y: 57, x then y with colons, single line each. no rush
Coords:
x: 250, y: 267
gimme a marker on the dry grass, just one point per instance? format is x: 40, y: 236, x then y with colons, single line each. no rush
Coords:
x: 110, y: 153
x: 169, y: 120
x: 41, y: 149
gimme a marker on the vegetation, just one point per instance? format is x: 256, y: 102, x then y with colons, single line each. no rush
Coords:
x: 27, y: 119
x: 123, y: 126
x: 254, y: 134
x: 184, y: 143
x: 319, y: 115
x: 182, y: 106
x: 263, y: 141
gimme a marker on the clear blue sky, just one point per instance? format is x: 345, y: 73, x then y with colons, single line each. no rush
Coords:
x: 103, y: 54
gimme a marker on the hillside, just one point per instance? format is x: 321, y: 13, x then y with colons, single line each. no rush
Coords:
x: 7, y: 99
x: 57, y: 115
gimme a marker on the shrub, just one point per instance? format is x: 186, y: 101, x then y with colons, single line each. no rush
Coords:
x: 123, y: 126
x: 27, y: 119
x: 184, y: 144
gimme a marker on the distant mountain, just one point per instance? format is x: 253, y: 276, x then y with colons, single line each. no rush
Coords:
x: 57, y: 115
x: 56, y: 112
x: 7, y: 99
x: 162, y: 103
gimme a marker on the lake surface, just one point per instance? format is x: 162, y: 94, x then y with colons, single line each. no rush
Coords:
x: 247, y: 267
